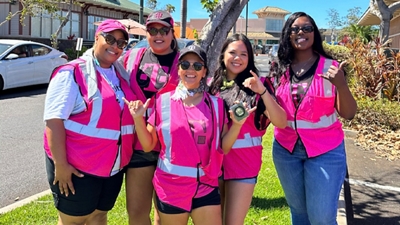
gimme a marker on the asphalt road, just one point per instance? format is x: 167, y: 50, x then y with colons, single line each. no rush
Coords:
x: 22, y: 172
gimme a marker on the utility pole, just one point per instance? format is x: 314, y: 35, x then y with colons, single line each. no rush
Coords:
x: 141, y: 20
x: 247, y: 15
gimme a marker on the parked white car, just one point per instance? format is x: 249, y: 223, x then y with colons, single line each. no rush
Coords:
x: 24, y: 63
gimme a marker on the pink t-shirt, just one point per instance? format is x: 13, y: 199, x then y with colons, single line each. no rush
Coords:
x: 200, y: 122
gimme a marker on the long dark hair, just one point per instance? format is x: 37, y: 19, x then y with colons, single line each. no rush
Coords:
x: 220, y: 72
x: 286, y: 51
x: 238, y: 92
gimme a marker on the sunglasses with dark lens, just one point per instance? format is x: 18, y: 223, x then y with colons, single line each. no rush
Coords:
x: 154, y: 31
x: 305, y: 29
x: 196, y: 65
x: 121, y: 43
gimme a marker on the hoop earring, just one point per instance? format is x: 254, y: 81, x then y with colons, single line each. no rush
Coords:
x: 175, y: 45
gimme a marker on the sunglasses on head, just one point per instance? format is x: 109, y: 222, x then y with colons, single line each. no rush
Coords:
x: 196, y: 65
x: 121, y: 43
x: 154, y: 31
x: 305, y: 29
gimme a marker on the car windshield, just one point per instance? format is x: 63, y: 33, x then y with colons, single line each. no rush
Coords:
x: 4, y: 47
x: 142, y: 44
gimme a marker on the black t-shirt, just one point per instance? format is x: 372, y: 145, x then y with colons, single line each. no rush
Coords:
x: 300, y: 84
x: 153, y: 72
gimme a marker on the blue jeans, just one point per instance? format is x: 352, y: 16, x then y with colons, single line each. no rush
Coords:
x: 311, y: 185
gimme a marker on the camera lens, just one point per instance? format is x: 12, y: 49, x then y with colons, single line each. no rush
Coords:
x: 239, y: 111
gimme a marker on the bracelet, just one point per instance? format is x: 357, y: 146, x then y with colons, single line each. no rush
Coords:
x: 263, y: 92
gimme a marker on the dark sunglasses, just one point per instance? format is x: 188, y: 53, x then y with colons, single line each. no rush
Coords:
x: 163, y: 31
x: 196, y: 65
x: 121, y: 43
x: 305, y: 29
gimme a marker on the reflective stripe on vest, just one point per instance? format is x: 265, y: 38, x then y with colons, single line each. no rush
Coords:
x: 215, y: 104
x: 91, y: 81
x: 131, y: 60
x: 165, y: 163
x: 325, y: 121
x: 327, y: 84
x: 90, y: 129
x: 97, y: 132
x: 247, y: 142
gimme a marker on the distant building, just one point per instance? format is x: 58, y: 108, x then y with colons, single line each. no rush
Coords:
x: 39, y: 28
x: 394, y: 32
x: 265, y: 30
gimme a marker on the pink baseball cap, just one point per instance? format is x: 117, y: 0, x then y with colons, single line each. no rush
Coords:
x: 161, y: 17
x: 109, y: 25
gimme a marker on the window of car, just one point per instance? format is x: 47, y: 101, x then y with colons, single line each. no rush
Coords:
x: 4, y: 47
x: 39, y: 50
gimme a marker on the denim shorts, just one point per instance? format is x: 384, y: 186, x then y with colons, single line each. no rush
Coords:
x: 214, y: 198
x: 252, y: 180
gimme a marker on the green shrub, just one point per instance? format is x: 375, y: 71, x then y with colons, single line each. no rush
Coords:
x: 380, y: 113
x: 72, y: 53
x: 338, y: 52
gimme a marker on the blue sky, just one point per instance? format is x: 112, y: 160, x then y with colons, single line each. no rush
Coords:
x: 316, y: 8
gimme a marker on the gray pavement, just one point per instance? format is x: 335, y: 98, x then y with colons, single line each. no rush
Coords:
x: 375, y: 186
x: 22, y: 172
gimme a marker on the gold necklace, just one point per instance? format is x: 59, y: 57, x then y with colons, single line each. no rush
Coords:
x: 302, y: 66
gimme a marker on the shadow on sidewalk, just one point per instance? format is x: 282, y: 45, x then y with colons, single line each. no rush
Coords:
x: 375, y: 187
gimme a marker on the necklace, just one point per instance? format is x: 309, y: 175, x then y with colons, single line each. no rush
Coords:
x: 302, y: 67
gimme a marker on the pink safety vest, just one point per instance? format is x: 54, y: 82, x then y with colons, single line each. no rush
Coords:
x: 179, y: 170
x: 245, y: 158
x: 314, y: 121
x: 131, y: 63
x: 94, y: 135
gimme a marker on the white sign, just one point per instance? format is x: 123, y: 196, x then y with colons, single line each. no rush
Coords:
x: 79, y: 43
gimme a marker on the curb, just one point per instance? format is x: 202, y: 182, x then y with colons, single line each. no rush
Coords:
x: 341, y: 217
x: 350, y: 133
x: 24, y: 201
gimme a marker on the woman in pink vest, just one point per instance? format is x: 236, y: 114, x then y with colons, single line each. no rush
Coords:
x: 236, y: 80
x: 89, y: 131
x: 309, y: 153
x: 191, y: 126
x: 153, y: 71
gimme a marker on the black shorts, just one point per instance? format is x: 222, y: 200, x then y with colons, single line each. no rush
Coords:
x: 91, y: 192
x: 214, y: 198
x: 143, y: 159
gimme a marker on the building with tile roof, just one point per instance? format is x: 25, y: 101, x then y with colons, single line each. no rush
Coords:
x: 265, y: 30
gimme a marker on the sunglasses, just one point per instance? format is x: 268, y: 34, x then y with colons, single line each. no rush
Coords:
x: 305, y: 29
x: 196, y: 65
x: 121, y: 43
x: 154, y: 31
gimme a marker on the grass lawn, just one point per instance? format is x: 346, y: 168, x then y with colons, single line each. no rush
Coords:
x: 268, y: 205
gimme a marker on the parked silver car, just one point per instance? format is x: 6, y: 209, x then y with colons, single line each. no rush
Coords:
x: 24, y: 63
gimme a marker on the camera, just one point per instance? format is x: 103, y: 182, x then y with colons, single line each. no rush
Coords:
x: 239, y: 111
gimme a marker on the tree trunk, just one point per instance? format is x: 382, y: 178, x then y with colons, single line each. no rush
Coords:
x: 217, y: 28
x: 183, y: 18
x: 54, y: 37
x: 384, y: 30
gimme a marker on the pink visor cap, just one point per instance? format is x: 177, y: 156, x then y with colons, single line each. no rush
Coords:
x: 111, y: 25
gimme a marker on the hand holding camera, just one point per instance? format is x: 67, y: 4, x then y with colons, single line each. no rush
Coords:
x: 239, y: 112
